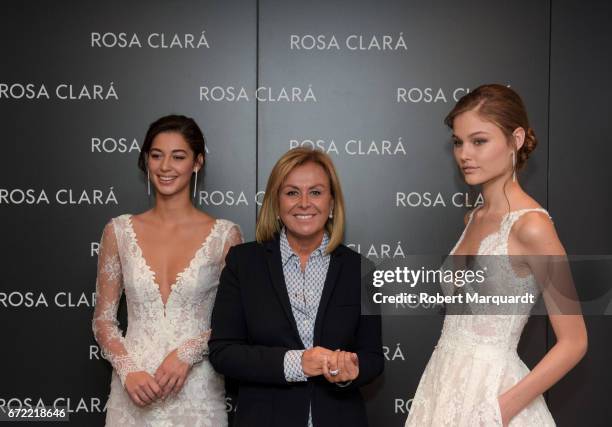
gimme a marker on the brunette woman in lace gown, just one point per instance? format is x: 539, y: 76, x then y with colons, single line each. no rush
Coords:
x: 475, y: 377
x: 168, y: 261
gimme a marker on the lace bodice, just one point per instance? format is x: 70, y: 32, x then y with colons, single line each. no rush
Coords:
x: 475, y: 359
x: 155, y: 329
x: 497, y: 326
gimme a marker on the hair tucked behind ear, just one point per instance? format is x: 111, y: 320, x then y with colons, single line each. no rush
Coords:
x: 503, y: 107
x: 528, y: 146
x: 186, y: 126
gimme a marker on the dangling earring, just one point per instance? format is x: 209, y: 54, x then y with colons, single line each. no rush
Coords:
x: 331, y: 213
x: 148, y: 183
x: 195, y: 183
x: 513, y: 167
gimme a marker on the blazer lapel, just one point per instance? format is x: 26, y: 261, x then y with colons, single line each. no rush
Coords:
x: 275, y: 266
x: 335, y: 265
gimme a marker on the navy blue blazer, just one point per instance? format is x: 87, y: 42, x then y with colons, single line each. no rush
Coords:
x: 253, y: 326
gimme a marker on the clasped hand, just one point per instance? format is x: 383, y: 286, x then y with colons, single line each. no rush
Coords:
x: 321, y: 361
x: 170, y: 376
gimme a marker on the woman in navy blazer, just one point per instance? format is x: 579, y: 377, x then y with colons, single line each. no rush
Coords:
x: 287, y: 322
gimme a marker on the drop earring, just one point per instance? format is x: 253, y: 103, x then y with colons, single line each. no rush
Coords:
x: 195, y: 183
x: 513, y: 166
x: 148, y: 183
x: 331, y: 213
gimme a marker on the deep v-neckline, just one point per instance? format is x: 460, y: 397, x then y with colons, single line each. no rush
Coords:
x: 180, y: 274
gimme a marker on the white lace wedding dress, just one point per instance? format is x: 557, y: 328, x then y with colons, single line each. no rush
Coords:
x: 475, y: 359
x: 154, y: 330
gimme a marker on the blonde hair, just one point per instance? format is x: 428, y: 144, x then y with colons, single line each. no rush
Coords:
x: 267, y: 222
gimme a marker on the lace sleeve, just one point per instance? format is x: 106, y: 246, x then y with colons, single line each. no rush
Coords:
x: 233, y: 237
x: 109, y: 287
x: 193, y: 350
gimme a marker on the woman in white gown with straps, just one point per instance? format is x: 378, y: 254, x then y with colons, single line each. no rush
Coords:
x: 168, y: 261
x: 475, y: 377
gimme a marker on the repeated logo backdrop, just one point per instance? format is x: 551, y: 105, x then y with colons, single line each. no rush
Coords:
x: 368, y: 82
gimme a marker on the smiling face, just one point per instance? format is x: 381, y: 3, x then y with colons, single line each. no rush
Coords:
x: 481, y: 149
x: 171, y: 163
x: 305, y: 202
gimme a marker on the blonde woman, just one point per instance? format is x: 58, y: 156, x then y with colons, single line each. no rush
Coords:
x: 287, y: 322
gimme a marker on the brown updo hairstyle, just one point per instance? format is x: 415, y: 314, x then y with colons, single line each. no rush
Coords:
x: 186, y: 126
x: 503, y: 107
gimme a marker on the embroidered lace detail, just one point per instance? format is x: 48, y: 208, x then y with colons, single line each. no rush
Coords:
x: 109, y: 287
x: 193, y: 350
x: 475, y: 359
x: 156, y: 329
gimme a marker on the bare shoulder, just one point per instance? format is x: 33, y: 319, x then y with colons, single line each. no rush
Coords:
x: 533, y: 225
x: 536, y: 233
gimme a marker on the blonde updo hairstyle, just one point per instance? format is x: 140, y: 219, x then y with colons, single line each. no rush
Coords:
x: 502, y: 106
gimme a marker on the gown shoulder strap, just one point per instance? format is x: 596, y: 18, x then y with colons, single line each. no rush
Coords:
x: 514, y: 216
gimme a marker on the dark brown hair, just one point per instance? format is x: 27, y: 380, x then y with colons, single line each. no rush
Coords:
x: 503, y: 107
x: 186, y: 126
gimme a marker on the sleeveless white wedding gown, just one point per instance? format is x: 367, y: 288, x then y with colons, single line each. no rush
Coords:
x: 155, y: 329
x: 475, y: 359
